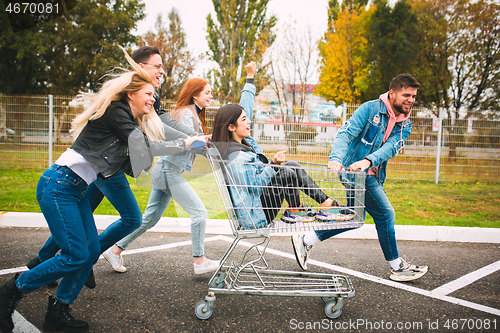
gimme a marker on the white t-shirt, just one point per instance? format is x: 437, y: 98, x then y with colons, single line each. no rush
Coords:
x: 79, y: 165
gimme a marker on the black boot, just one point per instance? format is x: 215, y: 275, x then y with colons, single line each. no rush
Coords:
x: 35, y: 262
x: 9, y: 295
x: 58, y: 318
x: 90, y: 283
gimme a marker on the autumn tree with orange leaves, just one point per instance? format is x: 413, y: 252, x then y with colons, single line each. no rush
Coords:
x: 344, y: 72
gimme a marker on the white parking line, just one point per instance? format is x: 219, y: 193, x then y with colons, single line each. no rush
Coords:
x: 467, y: 279
x: 13, y: 270
x: 379, y: 280
x: 21, y: 325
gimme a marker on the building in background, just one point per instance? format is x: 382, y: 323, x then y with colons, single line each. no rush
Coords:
x: 271, y: 117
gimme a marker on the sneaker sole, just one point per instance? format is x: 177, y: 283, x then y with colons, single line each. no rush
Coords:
x: 204, y: 272
x: 302, y: 266
x: 405, y: 278
x: 338, y: 218
x: 288, y: 221
x: 310, y: 219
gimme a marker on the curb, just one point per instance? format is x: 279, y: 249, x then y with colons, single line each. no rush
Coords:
x: 222, y: 227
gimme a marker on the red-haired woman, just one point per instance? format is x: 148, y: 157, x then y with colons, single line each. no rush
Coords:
x: 169, y: 184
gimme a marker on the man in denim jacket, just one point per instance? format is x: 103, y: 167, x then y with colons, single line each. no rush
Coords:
x: 375, y: 133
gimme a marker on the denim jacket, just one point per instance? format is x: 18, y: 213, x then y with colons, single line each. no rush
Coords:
x: 249, y: 180
x: 362, y: 135
x: 252, y: 177
x: 185, y: 161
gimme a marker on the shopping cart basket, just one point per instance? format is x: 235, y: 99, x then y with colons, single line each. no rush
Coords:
x: 251, y: 275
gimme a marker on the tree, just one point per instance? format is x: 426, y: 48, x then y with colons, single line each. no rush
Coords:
x: 293, y: 69
x: 475, y: 65
x: 344, y: 72
x: 178, y: 62
x: 239, y: 33
x: 434, y: 52
x: 464, y: 53
x: 70, y: 53
x: 22, y: 69
x: 460, y: 43
x: 293, y: 60
x: 392, y: 41
x: 476, y: 62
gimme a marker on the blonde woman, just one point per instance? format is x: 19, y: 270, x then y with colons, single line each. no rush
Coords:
x: 121, y: 110
x: 116, y: 188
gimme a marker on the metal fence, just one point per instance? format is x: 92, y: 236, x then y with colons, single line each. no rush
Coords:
x: 463, y: 150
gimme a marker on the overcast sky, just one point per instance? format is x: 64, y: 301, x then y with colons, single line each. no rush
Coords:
x: 193, y: 15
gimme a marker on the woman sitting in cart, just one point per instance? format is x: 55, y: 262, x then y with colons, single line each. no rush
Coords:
x: 260, y: 185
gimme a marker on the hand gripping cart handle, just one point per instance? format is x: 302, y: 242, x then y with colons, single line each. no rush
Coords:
x: 240, y: 186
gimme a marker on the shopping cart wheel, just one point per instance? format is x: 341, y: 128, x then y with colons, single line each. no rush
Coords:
x: 333, y: 308
x: 328, y: 299
x: 201, y: 310
x: 218, y: 281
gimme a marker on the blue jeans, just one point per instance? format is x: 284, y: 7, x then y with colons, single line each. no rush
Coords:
x: 117, y: 190
x: 61, y: 196
x: 378, y: 206
x: 168, y: 183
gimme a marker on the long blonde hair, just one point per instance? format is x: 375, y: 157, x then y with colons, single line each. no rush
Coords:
x: 115, y: 90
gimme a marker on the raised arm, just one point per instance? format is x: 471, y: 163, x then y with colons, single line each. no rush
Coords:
x: 247, y: 101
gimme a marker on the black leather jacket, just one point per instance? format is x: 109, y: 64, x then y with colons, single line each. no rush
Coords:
x: 173, y: 130
x: 104, y: 142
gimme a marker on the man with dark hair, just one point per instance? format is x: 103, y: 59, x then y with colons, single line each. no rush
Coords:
x: 375, y: 133
x: 144, y: 53
x: 149, y: 58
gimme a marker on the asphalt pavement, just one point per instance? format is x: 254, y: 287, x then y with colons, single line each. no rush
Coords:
x: 461, y: 291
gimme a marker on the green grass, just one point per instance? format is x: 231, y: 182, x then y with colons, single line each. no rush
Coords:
x: 446, y: 204
x: 416, y: 203
x: 18, y: 194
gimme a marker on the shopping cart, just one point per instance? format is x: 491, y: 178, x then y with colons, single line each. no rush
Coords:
x: 251, y: 274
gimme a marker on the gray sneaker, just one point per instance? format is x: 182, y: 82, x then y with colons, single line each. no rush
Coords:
x: 408, y: 272
x: 305, y: 214
x: 301, y: 250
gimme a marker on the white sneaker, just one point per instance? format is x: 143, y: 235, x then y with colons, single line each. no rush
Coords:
x: 207, y: 266
x: 408, y: 272
x: 301, y: 250
x: 115, y: 260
